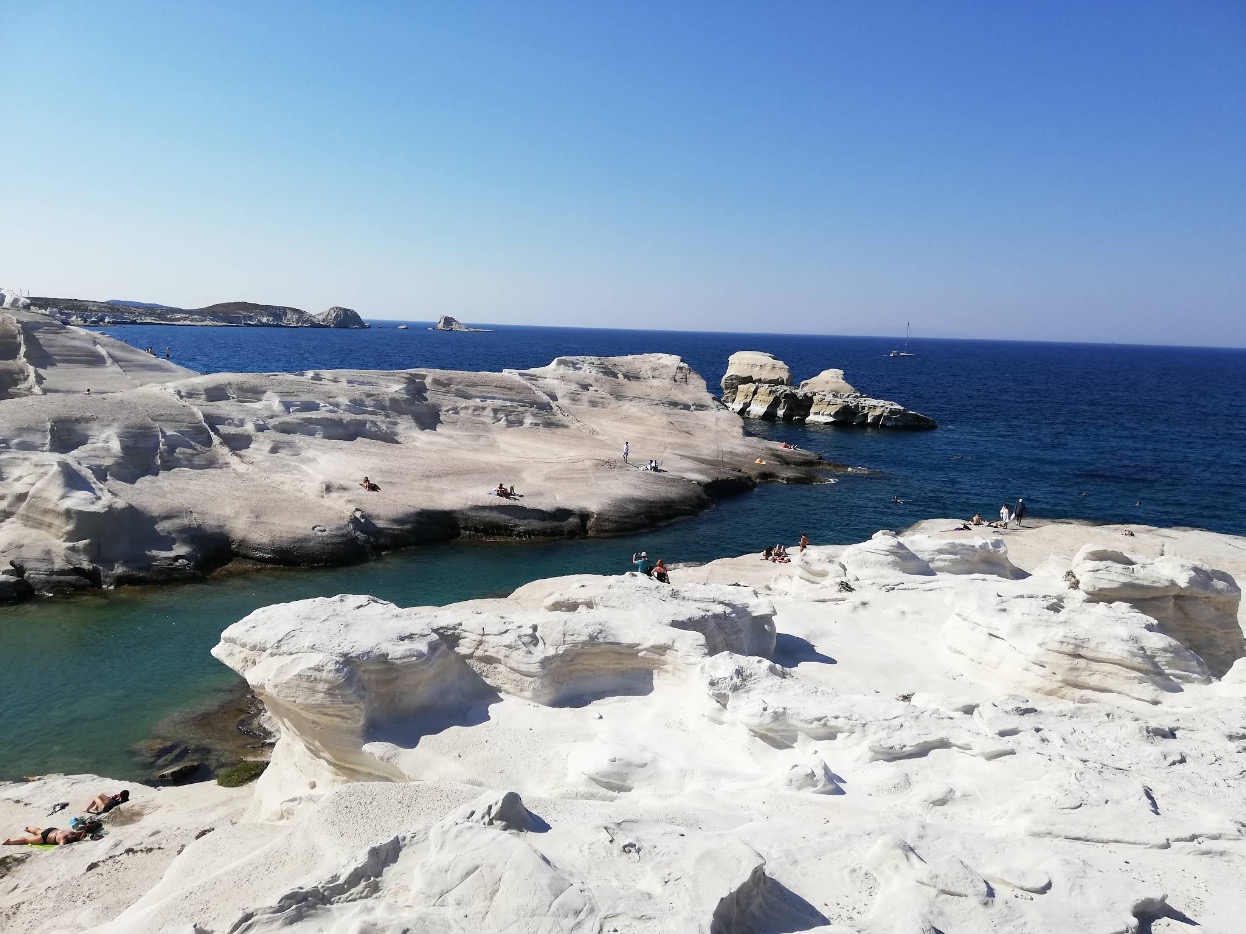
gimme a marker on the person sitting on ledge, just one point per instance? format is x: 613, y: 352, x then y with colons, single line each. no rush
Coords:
x: 977, y: 520
x: 641, y: 560
x: 370, y: 486
x: 104, y: 802
x: 51, y: 836
x: 502, y: 491
x: 659, y: 573
x: 768, y: 554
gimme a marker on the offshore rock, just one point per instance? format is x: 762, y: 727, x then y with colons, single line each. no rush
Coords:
x: 757, y: 385
x: 746, y: 367
x: 447, y: 323
x: 339, y: 317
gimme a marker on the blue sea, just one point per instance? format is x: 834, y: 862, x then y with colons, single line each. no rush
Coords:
x: 1153, y: 435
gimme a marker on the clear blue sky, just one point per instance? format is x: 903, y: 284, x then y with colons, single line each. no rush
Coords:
x: 1030, y: 170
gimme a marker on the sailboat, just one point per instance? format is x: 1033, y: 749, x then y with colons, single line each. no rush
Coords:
x: 908, y: 333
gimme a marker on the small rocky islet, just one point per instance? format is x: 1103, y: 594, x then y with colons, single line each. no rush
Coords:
x: 756, y: 385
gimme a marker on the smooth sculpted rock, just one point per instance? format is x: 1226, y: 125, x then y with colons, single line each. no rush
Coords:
x: 342, y: 674
x: 41, y: 356
x: 754, y: 367
x: 169, y: 482
x: 1196, y: 605
x: 757, y: 385
x: 1069, y: 647
x: 944, y: 745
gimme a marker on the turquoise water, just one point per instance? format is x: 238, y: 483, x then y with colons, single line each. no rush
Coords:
x: 1138, y: 434
x: 85, y: 678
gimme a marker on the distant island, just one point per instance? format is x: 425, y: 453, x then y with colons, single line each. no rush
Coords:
x: 80, y: 311
x: 446, y: 323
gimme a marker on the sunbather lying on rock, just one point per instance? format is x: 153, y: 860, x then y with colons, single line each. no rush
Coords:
x: 51, y: 836
x: 104, y: 802
x: 370, y: 486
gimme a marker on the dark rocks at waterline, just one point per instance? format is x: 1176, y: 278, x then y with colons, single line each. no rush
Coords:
x: 179, y: 774
x: 756, y: 385
x: 196, y: 745
x: 13, y: 587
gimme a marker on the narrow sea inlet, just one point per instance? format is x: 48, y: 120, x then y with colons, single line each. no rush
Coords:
x: 1075, y: 429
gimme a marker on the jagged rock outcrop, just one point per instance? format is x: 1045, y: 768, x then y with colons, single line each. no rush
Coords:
x: 447, y: 323
x: 167, y: 482
x: 339, y: 317
x: 756, y: 385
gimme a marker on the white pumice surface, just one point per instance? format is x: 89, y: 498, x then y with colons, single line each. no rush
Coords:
x: 951, y: 742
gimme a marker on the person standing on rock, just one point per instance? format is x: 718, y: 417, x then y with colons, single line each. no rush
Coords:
x: 627, y: 450
x: 1004, y: 516
x: 1019, y: 513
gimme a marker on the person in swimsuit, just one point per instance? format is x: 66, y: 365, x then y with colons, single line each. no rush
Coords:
x: 804, y: 542
x: 51, y: 836
x: 659, y: 573
x: 103, y: 803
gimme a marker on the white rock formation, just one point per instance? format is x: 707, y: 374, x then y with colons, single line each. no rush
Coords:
x: 829, y: 381
x: 755, y: 366
x: 946, y: 746
x: 756, y: 385
x: 168, y: 482
x: 39, y: 355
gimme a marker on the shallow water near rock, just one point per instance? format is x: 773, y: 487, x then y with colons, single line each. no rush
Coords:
x: 84, y: 679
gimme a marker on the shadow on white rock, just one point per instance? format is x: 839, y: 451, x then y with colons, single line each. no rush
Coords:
x: 349, y: 676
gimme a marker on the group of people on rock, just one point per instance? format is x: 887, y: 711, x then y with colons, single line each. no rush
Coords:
x: 658, y: 570
x: 778, y: 553
x: 1007, y: 514
x: 647, y: 465
x: 79, y: 828
x: 506, y: 492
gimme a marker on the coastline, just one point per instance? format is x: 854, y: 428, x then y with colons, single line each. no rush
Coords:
x: 927, y: 757
x: 261, y: 466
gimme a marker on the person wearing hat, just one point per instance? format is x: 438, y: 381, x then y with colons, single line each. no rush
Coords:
x: 641, y: 560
